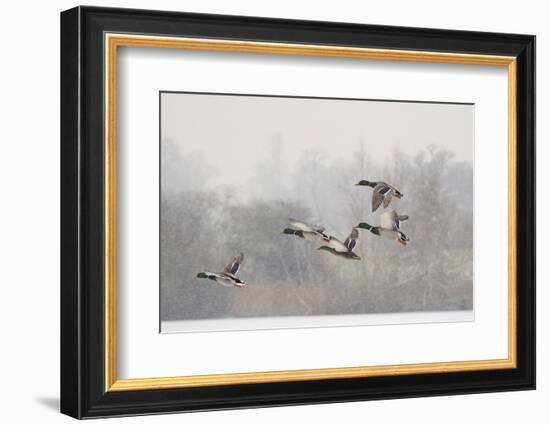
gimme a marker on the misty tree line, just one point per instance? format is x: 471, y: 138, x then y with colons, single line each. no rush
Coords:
x: 201, y: 229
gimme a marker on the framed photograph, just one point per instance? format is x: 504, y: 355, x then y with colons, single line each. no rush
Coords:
x: 261, y: 212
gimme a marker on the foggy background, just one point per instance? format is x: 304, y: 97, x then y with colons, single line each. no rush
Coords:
x: 235, y: 168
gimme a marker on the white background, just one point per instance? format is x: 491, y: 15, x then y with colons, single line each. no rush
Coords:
x: 29, y: 175
x: 146, y: 71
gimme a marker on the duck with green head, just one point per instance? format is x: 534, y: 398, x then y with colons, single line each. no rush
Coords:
x: 343, y: 249
x: 229, y: 275
x: 383, y: 193
x: 306, y: 231
x: 389, y: 227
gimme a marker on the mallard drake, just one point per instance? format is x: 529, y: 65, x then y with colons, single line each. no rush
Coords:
x: 307, y: 231
x: 228, y: 276
x: 382, y: 193
x: 343, y: 249
x: 389, y: 227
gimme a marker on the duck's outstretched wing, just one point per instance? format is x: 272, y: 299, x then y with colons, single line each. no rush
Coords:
x: 234, y: 266
x: 351, y: 240
x: 391, y: 220
x: 400, y: 218
x: 381, y: 193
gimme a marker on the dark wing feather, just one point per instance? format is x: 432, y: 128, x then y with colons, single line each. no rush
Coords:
x: 382, y: 193
x: 377, y: 199
x: 388, y: 220
x: 234, y: 266
x: 351, y: 240
x: 384, y: 188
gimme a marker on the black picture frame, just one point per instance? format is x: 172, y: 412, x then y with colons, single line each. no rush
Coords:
x: 83, y: 392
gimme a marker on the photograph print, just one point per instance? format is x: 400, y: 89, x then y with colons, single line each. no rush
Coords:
x: 292, y: 212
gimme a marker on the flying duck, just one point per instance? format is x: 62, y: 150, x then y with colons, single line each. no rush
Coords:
x: 389, y: 227
x: 343, y: 249
x: 228, y: 276
x: 307, y: 231
x: 382, y: 193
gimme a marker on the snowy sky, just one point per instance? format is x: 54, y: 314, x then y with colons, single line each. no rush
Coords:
x: 233, y: 133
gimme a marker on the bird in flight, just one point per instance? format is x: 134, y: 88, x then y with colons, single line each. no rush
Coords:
x: 343, y: 249
x: 382, y: 193
x: 229, y: 275
x: 306, y: 231
x: 389, y: 227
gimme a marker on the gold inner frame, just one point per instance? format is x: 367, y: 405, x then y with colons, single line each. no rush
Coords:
x: 113, y: 41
